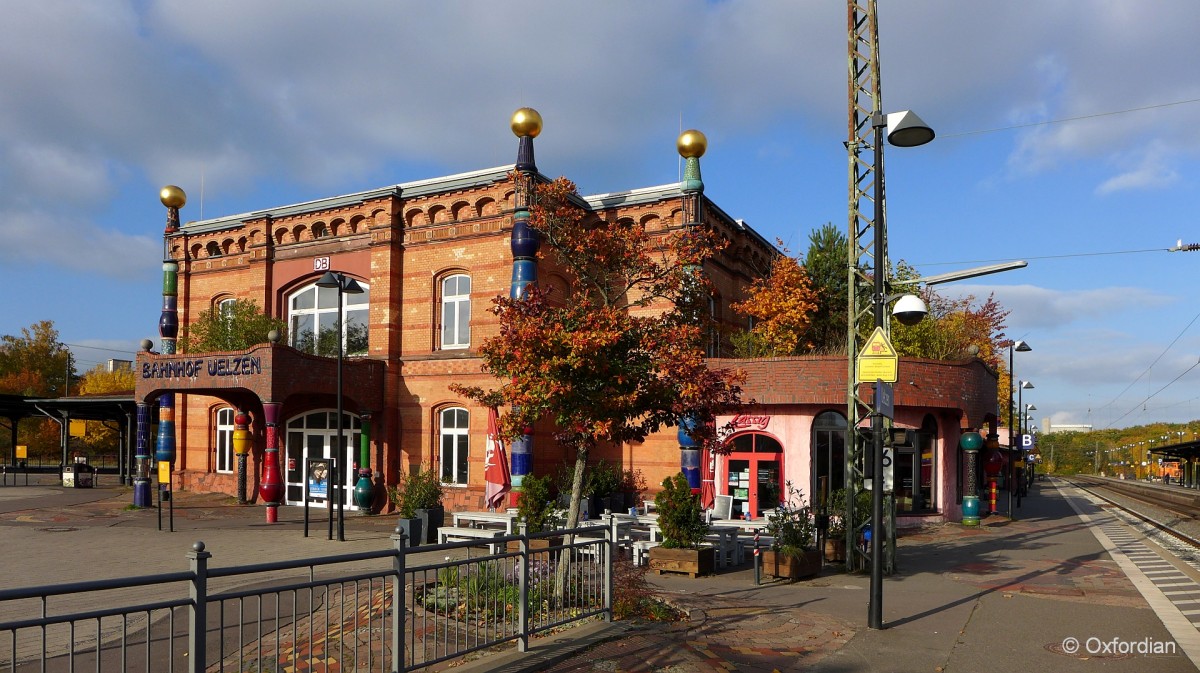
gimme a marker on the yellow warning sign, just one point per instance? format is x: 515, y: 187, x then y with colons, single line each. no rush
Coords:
x: 878, y: 359
x: 878, y: 346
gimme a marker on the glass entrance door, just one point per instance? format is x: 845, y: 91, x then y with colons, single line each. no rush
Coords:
x: 314, y: 435
x: 753, y: 474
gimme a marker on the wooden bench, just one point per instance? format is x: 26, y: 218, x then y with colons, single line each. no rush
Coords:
x: 459, y: 533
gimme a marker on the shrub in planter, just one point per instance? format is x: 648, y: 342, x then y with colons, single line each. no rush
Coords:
x: 419, y: 496
x: 683, y: 529
x: 603, y: 482
x: 793, y: 553
x: 633, y: 485
x: 536, y: 506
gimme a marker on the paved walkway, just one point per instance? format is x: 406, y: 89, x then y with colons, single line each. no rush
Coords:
x: 1005, y: 596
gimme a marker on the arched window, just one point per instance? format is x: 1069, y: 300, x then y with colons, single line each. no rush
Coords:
x: 313, y: 320
x: 829, y: 451
x: 224, y: 440
x: 213, y: 249
x: 456, y: 311
x: 454, y: 440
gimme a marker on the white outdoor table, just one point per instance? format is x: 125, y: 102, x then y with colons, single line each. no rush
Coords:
x: 508, y: 519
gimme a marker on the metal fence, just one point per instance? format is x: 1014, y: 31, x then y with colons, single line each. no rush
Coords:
x: 373, y: 611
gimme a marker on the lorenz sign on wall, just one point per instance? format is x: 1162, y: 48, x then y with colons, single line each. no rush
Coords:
x: 190, y: 368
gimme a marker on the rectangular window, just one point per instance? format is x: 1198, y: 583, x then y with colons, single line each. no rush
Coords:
x: 224, y: 440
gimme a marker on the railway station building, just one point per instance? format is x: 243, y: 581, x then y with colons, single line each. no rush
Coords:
x: 428, y: 257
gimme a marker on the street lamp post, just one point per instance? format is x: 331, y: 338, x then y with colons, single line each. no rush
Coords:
x: 1022, y: 347
x: 344, y: 286
x: 904, y: 129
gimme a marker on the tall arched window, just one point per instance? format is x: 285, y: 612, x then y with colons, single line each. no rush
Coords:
x: 224, y: 440
x: 313, y: 320
x: 829, y: 451
x: 454, y: 439
x: 456, y: 311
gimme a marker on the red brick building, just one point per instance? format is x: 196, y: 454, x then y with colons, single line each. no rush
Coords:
x: 429, y: 256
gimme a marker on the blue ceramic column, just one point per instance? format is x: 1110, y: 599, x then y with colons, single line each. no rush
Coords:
x: 526, y: 125
x: 691, y: 145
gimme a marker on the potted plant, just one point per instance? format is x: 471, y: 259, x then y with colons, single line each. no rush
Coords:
x: 536, y: 510
x: 419, y: 498
x: 633, y: 484
x: 683, y: 531
x: 835, y: 534
x: 603, y: 482
x: 793, y: 551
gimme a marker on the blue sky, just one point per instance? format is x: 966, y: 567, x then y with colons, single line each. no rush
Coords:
x: 253, y: 105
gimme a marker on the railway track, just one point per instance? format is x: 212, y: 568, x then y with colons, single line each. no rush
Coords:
x: 1167, y: 511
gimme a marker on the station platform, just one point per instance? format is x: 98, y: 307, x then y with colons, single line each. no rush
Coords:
x: 1069, y: 586
x: 1009, y: 595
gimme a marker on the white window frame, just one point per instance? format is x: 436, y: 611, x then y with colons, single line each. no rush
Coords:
x: 355, y: 311
x: 454, y: 446
x: 226, y: 458
x: 456, y: 312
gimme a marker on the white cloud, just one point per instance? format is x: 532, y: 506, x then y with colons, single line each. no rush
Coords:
x: 74, y: 245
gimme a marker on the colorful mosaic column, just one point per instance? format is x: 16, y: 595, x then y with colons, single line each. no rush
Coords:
x: 526, y: 125
x: 364, y: 491
x: 141, y: 469
x: 271, y: 487
x: 168, y: 323
x: 970, y: 443
x: 241, y: 446
x: 691, y: 145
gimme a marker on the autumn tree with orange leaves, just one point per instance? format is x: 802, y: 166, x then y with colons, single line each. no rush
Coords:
x: 623, y: 354
x: 782, y: 305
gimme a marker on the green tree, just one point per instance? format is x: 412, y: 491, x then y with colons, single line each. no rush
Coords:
x: 35, y: 364
x: 231, y: 326
x: 825, y: 263
x: 605, y: 365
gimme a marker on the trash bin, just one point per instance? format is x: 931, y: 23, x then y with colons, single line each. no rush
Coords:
x: 79, y: 475
x: 85, y: 476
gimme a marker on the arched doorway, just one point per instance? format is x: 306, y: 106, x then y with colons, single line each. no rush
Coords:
x: 314, y: 435
x: 753, y: 473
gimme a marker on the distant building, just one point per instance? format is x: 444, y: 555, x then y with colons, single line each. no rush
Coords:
x: 1050, y: 428
x: 120, y: 365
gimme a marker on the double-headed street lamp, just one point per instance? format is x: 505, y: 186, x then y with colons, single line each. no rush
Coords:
x: 344, y: 285
x: 904, y: 129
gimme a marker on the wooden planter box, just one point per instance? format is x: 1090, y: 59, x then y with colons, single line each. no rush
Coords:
x: 835, y: 549
x: 693, y: 562
x: 791, y: 567
x: 536, y: 543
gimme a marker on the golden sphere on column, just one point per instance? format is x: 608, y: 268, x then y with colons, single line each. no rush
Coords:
x: 691, y: 143
x: 172, y: 197
x: 526, y: 122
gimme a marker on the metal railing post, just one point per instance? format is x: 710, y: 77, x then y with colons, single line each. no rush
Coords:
x: 609, y: 559
x: 523, y: 609
x: 399, y: 544
x: 198, y: 614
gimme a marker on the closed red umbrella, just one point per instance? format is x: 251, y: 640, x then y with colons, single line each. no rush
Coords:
x: 495, y: 465
x: 707, y: 471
